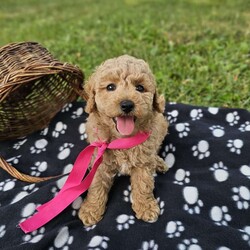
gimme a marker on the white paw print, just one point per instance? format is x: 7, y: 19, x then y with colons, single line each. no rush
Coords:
x: 183, y: 129
x: 19, y: 144
x: 241, y: 197
x: 174, y: 229
x: 189, y: 244
x: 82, y: 131
x: 98, y: 243
x: 182, y: 177
x: 127, y: 194
x: 235, y: 146
x: 161, y: 205
x: 76, y: 205
x: 220, y: 171
x: 40, y: 146
x: 168, y: 155
x: 77, y: 113
x: 62, y: 240
x: 220, y: 215
x: 149, y: 245
x: 201, y: 150
x: 14, y: 160
x: 217, y: 131
x: 246, y: 234
x: 35, y: 236
x: 44, y: 131
x: 60, y: 128
x: 193, y: 203
x: 59, y: 185
x: 213, y: 110
x: 7, y: 185
x: 2, y: 230
x: 124, y: 221
x: 245, y: 127
x: 232, y: 118
x: 66, y: 107
x: 245, y: 170
x: 65, y: 150
x: 39, y: 168
x: 196, y: 114
x: 29, y: 189
x: 86, y: 228
x: 172, y: 116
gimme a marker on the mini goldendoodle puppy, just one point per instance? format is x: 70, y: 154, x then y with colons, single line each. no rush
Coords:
x: 123, y: 101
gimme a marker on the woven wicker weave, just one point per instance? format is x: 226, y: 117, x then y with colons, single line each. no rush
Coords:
x: 34, y: 86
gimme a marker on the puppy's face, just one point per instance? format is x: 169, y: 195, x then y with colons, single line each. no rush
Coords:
x: 123, y: 92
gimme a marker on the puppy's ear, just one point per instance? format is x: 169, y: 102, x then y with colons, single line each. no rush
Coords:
x: 159, y: 103
x: 89, y: 89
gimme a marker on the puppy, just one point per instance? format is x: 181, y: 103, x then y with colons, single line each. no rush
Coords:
x: 122, y: 101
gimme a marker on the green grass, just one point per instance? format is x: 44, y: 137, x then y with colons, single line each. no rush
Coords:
x: 199, y: 50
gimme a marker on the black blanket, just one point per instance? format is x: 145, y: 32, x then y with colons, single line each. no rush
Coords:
x: 204, y: 197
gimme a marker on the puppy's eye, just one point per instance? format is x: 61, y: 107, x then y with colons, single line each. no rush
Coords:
x: 111, y: 87
x: 139, y: 88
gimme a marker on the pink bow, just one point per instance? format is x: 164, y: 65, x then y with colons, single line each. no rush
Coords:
x: 75, y: 185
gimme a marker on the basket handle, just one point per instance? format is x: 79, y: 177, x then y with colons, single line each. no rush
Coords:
x: 21, y: 176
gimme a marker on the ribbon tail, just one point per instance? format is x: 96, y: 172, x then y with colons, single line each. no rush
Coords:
x: 78, y: 171
x: 60, y: 202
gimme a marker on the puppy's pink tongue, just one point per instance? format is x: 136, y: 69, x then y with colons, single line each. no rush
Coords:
x: 125, y: 125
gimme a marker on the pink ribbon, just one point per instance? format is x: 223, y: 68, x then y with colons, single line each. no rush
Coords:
x: 76, y: 184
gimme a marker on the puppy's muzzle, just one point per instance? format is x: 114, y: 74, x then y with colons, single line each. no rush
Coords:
x: 127, y: 106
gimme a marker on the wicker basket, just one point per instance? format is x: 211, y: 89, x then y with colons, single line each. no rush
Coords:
x: 34, y: 86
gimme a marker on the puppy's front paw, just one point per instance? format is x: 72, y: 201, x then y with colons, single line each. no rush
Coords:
x: 90, y: 215
x: 148, y: 211
x: 161, y: 165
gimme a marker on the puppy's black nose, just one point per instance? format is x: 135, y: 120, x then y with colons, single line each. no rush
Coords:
x: 127, y: 106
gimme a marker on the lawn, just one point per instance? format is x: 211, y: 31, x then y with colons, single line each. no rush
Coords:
x: 199, y: 50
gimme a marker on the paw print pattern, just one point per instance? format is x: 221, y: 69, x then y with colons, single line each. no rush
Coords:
x: 149, y: 245
x: 76, y: 205
x: 77, y: 113
x: 196, y: 114
x: 124, y: 221
x: 127, y: 194
x: 220, y: 215
x: 174, y: 229
x: 217, y: 131
x: 201, y: 150
x: 2, y: 230
x: 191, y: 197
x: 161, y: 205
x: 35, y: 236
x: 82, y: 131
x: 182, y: 177
x: 39, y: 168
x: 64, y: 151
x: 245, y: 127
x: 189, y: 244
x: 246, y: 234
x: 98, y: 243
x: 182, y: 129
x: 241, y: 197
x: 168, y: 155
x: 63, y: 240
x: 14, y: 160
x: 44, y: 131
x: 213, y: 110
x: 233, y: 118
x: 28, y: 210
x: 60, y: 128
x: 66, y: 107
x: 172, y: 116
x: 40, y: 146
x: 245, y: 170
x: 26, y: 191
x: 235, y: 146
x: 19, y: 144
x: 7, y: 185
x: 220, y: 171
